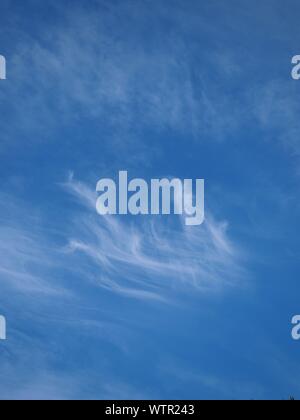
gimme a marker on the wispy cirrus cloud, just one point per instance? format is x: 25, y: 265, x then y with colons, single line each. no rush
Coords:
x: 276, y: 109
x: 28, y: 258
x: 165, y: 77
x: 149, y: 259
x: 86, y: 70
x: 41, y: 304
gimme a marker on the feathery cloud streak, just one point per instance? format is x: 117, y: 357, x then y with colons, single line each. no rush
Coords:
x: 150, y: 259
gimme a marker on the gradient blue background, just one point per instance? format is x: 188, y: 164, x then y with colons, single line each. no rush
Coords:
x: 143, y: 307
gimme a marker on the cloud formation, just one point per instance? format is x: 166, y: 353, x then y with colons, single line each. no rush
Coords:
x: 150, y: 259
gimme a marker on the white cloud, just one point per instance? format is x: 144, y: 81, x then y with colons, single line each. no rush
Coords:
x: 27, y: 257
x: 147, y: 260
x: 276, y: 109
x: 87, y: 70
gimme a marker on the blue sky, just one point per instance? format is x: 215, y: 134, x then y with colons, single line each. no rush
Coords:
x: 133, y: 308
